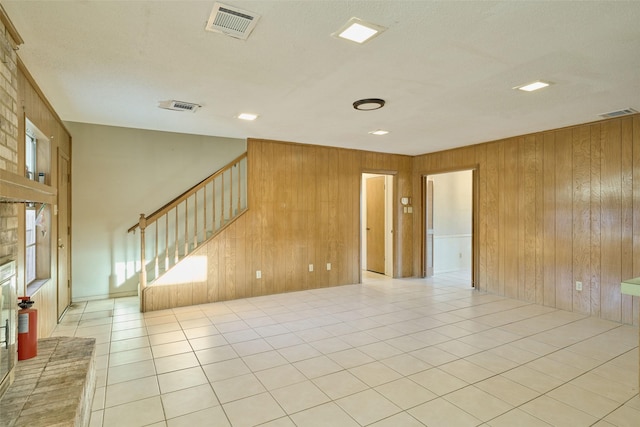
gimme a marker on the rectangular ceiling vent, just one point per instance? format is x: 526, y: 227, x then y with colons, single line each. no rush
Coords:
x: 232, y: 21
x: 179, y: 106
x: 618, y: 113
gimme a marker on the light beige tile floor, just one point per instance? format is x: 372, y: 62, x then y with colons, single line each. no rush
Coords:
x: 385, y: 353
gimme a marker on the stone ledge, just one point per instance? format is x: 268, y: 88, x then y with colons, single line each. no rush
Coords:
x: 54, y: 388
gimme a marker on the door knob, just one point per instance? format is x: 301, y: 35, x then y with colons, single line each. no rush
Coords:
x: 61, y: 246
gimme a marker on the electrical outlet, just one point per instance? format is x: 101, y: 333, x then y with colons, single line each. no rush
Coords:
x: 328, y: 266
x: 310, y: 267
x: 258, y: 274
x: 578, y: 286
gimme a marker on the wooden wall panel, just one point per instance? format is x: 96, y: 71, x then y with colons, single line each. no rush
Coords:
x: 521, y: 198
x: 481, y: 217
x: 539, y: 219
x: 596, y: 218
x: 492, y: 196
x: 557, y: 207
x: 309, y: 204
x: 33, y: 105
x: 626, y: 170
x: 611, y: 221
x: 636, y: 211
x: 304, y: 208
x: 549, y: 223
x: 564, y: 218
x: 554, y: 208
x: 500, y: 214
x: 46, y: 302
x: 403, y: 266
x: 528, y: 216
x: 509, y: 229
x: 212, y: 252
x: 581, y: 242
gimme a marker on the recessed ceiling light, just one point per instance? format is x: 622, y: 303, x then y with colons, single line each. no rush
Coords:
x: 379, y: 132
x: 530, y: 87
x: 368, y: 104
x: 247, y: 116
x: 358, y: 31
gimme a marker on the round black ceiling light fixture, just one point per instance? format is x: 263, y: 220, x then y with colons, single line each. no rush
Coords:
x: 368, y: 104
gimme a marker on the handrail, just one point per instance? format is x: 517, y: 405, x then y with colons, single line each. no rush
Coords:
x: 179, y: 199
x: 187, y: 221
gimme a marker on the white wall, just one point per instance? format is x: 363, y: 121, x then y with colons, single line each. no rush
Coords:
x: 117, y: 174
x: 452, y: 221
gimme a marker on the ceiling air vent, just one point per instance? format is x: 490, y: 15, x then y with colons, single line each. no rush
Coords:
x: 179, y: 106
x: 232, y: 21
x: 618, y: 113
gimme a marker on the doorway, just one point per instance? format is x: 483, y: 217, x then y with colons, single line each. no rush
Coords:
x: 448, y: 224
x: 377, y: 223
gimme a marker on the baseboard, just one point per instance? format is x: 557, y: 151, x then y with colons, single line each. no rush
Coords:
x: 107, y: 296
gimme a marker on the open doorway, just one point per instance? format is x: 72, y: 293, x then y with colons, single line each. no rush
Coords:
x: 448, y: 226
x: 377, y: 224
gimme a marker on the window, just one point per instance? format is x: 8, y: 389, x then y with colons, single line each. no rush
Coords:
x: 37, y: 216
x: 30, y: 156
x: 37, y: 154
x: 30, y: 245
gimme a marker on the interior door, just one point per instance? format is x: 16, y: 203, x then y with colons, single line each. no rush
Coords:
x: 375, y: 224
x: 428, y: 227
x: 64, y: 259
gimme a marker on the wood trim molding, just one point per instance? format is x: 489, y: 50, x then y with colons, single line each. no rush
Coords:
x: 15, y: 188
x: 11, y: 29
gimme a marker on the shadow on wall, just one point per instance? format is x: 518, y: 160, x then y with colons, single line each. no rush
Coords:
x: 124, y: 277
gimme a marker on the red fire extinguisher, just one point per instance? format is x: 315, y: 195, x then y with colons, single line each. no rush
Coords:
x: 27, y: 329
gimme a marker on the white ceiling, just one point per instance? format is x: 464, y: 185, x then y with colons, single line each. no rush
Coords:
x: 446, y: 68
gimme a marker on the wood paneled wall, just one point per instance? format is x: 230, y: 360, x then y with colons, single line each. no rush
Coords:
x: 554, y: 208
x: 46, y: 303
x: 304, y: 208
x: 34, y: 106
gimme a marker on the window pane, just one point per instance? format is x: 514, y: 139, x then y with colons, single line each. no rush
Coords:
x: 30, y: 157
x: 30, y: 249
x: 31, y: 226
x: 30, y: 258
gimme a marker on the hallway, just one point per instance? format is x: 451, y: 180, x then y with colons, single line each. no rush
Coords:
x: 388, y: 352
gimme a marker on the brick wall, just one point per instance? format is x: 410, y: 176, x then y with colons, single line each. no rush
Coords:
x: 8, y: 139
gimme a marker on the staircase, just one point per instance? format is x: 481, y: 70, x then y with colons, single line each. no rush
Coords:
x: 171, y: 233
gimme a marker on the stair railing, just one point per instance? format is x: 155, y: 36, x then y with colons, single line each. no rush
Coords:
x: 183, y: 224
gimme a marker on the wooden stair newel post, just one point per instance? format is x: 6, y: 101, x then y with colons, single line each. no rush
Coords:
x: 143, y: 263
